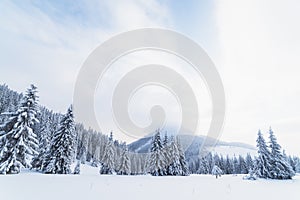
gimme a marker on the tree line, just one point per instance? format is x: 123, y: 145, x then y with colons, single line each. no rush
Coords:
x: 270, y: 162
x: 34, y: 137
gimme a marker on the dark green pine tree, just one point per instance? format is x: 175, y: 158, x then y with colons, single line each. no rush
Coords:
x: 281, y: 169
x: 61, y: 152
x: 263, y: 162
x: 17, y: 136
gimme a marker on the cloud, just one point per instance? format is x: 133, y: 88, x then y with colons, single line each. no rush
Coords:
x: 260, y: 49
x: 148, y: 96
x: 45, y: 42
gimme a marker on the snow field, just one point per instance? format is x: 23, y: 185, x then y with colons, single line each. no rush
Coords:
x: 91, y: 185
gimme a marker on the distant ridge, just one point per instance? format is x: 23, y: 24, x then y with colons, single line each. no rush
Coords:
x: 192, y: 145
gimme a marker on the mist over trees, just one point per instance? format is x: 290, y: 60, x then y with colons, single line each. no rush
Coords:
x: 36, y: 138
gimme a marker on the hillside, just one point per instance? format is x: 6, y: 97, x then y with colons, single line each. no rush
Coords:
x: 192, y: 145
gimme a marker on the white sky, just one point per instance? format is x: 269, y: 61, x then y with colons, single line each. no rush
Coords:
x: 255, y: 45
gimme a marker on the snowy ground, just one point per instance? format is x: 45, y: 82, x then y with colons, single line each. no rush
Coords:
x: 90, y: 185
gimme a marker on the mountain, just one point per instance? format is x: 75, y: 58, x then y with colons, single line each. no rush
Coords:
x: 193, y: 144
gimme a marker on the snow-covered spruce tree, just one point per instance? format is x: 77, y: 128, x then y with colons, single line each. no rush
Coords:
x: 17, y: 137
x: 124, y: 168
x: 229, y: 168
x: 157, y: 157
x: 203, y: 166
x: 133, y: 165
x: 243, y: 166
x: 82, y: 152
x: 236, y: 166
x: 184, y: 167
x: 297, y: 165
x: 108, y: 165
x: 77, y: 167
x: 216, y: 159
x: 210, y: 162
x: 61, y: 151
x: 216, y: 171
x: 222, y: 163
x: 9, y: 101
x: 143, y: 161
x: 193, y: 165
x: 250, y: 176
x: 96, y: 157
x: 175, y: 168
x: 249, y: 162
x: 263, y: 161
x: 44, y: 144
x: 89, y: 152
x: 292, y: 161
x: 281, y: 169
x: 167, y: 154
x: 139, y: 165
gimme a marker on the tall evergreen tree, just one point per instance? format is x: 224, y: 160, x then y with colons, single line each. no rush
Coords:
x: 243, y: 166
x: 210, y: 162
x: 139, y: 165
x: 61, y: 153
x: 281, y: 169
x: 297, y: 165
x: 222, y: 163
x: 292, y: 161
x: 236, y: 166
x: 263, y: 161
x: 82, y: 151
x: 203, y: 166
x: 216, y: 171
x: 108, y: 162
x: 44, y: 144
x: 249, y: 162
x: 185, y: 169
x: 77, y: 167
x: 124, y: 168
x: 167, y: 153
x: 229, y: 167
x: 96, y: 157
x: 18, y: 140
x: 216, y: 160
x: 157, y: 157
x: 174, y: 168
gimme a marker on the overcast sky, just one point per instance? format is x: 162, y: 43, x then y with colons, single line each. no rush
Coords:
x: 254, y: 44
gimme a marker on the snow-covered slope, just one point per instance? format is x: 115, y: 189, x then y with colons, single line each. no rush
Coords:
x: 192, y: 145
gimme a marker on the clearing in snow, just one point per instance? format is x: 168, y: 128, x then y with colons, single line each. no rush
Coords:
x: 91, y: 185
